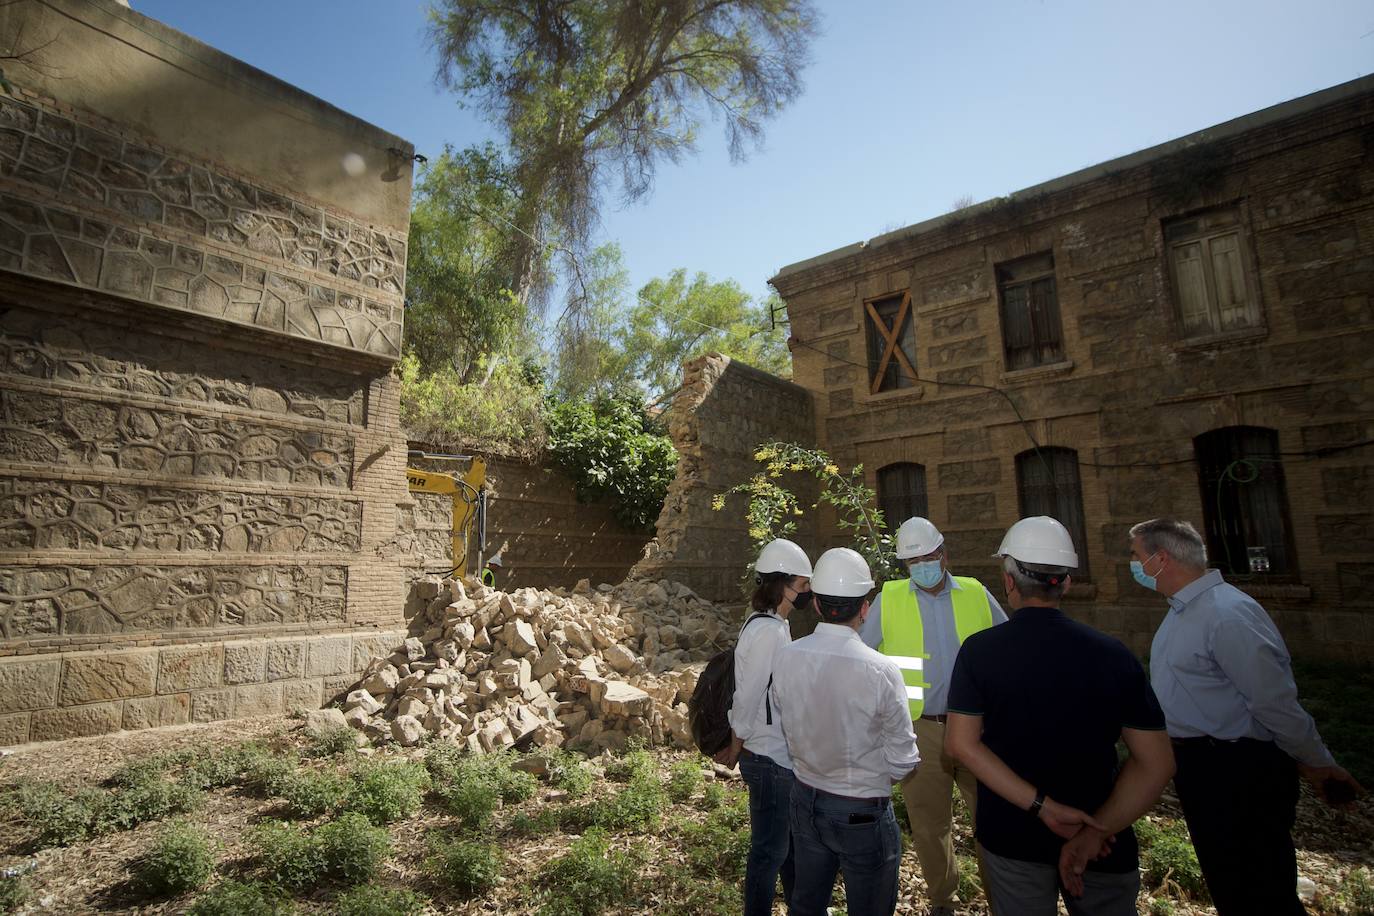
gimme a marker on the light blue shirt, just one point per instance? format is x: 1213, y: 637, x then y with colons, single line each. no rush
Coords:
x: 1220, y: 668
x: 937, y: 632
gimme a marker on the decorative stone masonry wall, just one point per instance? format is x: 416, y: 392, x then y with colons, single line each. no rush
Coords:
x: 200, y: 449
x: 724, y: 411
x: 552, y: 539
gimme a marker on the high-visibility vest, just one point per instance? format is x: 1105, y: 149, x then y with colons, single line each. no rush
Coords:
x: 903, y: 634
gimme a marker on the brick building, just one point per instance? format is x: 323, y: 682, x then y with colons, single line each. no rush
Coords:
x: 1186, y: 330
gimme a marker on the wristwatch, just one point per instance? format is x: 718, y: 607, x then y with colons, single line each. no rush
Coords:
x: 1037, y: 804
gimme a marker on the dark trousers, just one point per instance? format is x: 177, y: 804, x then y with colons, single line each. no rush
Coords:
x: 854, y: 836
x: 1240, y: 799
x: 770, y: 833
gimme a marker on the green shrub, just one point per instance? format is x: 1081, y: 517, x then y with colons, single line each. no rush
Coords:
x: 60, y: 819
x: 1171, y: 861
x: 718, y: 847
x: 181, y: 859
x: 636, y: 807
x: 139, y: 772
x: 713, y: 797
x: 1162, y: 906
x: 374, y: 900
x: 569, y: 771
x: 698, y: 896
x: 469, y: 867
x: 683, y: 780
x: 545, y: 821
x: 899, y: 810
x: 265, y: 773
x: 14, y: 892
x: 386, y: 792
x: 351, y: 848
x: 236, y: 898
x: 311, y: 793
x: 213, y: 770
x: 587, y: 879
x: 1356, y: 891
x: 637, y: 762
x: 331, y: 741
x: 288, y: 855
x: 970, y: 881
x: 152, y: 799
x: 472, y: 787
x: 472, y: 802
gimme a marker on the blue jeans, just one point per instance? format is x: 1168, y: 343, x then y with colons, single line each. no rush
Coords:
x: 858, y: 837
x: 770, y: 837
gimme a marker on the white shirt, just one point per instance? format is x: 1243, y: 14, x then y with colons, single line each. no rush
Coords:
x: 755, y: 655
x: 844, y: 713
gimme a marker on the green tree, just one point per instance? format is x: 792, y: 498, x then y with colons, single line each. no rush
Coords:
x: 461, y: 313
x: 587, y: 358
x: 583, y: 89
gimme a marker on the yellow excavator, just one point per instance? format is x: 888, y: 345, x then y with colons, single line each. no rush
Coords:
x: 469, y: 503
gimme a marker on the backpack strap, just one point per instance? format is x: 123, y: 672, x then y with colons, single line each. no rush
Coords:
x: 767, y: 699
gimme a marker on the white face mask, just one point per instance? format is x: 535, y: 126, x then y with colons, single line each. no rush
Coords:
x: 927, y: 574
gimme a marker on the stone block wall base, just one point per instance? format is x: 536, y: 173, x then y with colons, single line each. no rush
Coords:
x: 77, y: 694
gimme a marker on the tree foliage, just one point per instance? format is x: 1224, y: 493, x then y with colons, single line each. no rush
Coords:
x: 583, y: 89
x: 460, y: 307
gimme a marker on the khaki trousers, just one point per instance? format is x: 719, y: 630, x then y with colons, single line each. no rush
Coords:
x: 929, y: 797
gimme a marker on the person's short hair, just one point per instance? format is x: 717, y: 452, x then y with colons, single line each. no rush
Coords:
x: 1177, y: 538
x: 1033, y: 580
x: 769, y: 593
x: 838, y: 610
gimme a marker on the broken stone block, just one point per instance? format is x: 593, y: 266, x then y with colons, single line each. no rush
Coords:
x: 620, y: 658
x: 407, y: 731
x: 383, y: 681
x: 520, y: 637
x: 322, y: 719
x: 414, y: 649
x: 624, y: 700
x: 361, y: 699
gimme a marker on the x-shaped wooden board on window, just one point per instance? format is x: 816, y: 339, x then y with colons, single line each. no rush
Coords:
x: 890, y: 335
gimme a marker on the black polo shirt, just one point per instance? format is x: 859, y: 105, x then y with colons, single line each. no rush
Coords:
x: 1054, y: 695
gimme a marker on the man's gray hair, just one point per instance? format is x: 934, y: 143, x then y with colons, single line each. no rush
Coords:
x: 1177, y: 538
x: 1030, y: 587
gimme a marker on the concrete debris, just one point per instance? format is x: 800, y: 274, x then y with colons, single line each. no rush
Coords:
x: 589, y: 668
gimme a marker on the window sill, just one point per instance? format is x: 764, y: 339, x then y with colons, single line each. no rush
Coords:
x: 916, y: 391
x: 1210, y: 341
x: 1036, y: 372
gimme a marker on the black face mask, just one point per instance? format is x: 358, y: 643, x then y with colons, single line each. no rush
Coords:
x: 804, y: 601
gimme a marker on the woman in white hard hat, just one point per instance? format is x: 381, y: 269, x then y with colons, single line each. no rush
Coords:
x: 783, y: 575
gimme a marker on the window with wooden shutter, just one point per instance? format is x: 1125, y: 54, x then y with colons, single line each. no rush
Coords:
x: 1047, y: 483
x: 1245, y: 502
x: 891, y: 327
x: 1031, y: 333
x: 1212, y: 284
x: 902, y: 493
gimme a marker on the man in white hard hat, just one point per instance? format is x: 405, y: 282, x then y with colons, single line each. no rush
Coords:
x: 920, y: 622
x: 1036, y: 708
x: 1225, y: 680
x: 843, y: 711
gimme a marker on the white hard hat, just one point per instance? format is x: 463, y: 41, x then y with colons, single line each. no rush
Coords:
x: 841, y: 573
x: 1039, y: 539
x: 495, y: 559
x: 917, y: 537
x: 782, y: 556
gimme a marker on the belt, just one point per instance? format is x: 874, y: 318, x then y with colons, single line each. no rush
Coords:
x: 877, y: 800
x: 1209, y: 741
x: 941, y: 718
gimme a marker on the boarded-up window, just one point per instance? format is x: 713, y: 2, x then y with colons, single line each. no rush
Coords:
x: 902, y: 493
x: 891, y: 342
x: 1047, y: 483
x: 1212, y: 286
x: 1245, y: 502
x: 1030, y: 312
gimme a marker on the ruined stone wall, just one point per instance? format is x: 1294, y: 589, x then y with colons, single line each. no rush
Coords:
x: 723, y: 412
x: 1132, y: 387
x: 551, y: 539
x: 200, y: 453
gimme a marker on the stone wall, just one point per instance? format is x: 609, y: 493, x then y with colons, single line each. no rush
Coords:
x: 200, y: 452
x: 551, y: 539
x: 723, y: 412
x: 1133, y: 390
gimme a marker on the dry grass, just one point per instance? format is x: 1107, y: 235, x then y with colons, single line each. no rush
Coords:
x: 95, y: 876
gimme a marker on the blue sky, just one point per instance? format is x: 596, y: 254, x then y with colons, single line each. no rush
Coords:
x: 908, y: 107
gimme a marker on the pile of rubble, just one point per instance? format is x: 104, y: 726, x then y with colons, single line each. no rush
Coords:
x: 589, y: 668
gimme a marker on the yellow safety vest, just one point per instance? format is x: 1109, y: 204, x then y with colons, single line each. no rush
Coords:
x: 904, y: 638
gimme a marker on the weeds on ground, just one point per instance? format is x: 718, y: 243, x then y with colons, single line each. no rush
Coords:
x: 349, y: 850
x: 543, y: 822
x: 387, y: 792
x: 375, y: 900
x: 970, y: 881
x: 636, y: 762
x: 899, y: 810
x: 713, y: 797
x: 60, y: 819
x: 181, y: 859
x: 697, y: 897
x: 1167, y: 859
x: 468, y: 867
x: 1162, y: 906
x: 1356, y: 891
x: 264, y: 772
x: 588, y: 879
x: 569, y: 771
x: 238, y: 898
x: 635, y: 808
x: 683, y: 780
x: 718, y: 847
x: 141, y: 795
x: 14, y: 892
x: 331, y: 741
x: 472, y: 787
x: 288, y: 855
x: 311, y: 793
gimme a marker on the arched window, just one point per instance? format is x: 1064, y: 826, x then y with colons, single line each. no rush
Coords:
x: 902, y: 493
x: 1245, y: 501
x: 1047, y: 483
